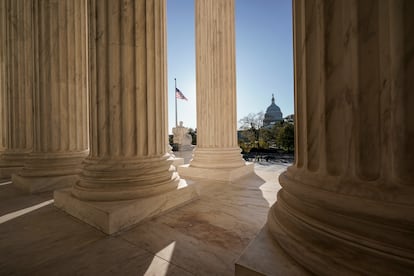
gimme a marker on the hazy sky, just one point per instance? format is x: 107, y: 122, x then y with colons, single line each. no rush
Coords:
x: 264, y: 57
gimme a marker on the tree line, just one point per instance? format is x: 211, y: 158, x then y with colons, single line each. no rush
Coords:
x: 253, y: 136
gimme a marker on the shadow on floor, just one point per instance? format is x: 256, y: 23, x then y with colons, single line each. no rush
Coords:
x: 204, y: 237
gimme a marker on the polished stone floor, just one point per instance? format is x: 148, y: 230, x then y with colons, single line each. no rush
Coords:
x: 205, y: 237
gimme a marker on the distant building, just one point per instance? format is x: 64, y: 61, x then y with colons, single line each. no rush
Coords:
x: 272, y: 115
x: 290, y: 118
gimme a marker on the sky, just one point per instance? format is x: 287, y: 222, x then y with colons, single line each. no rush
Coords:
x: 264, y: 57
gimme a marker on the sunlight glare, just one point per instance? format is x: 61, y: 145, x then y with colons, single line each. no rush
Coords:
x: 164, y: 254
x: 24, y: 211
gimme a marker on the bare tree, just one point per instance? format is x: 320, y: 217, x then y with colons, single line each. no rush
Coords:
x: 252, y: 121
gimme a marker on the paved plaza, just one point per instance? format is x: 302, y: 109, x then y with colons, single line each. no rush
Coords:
x: 205, y: 237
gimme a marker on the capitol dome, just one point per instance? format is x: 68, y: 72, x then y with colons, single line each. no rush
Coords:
x: 273, y: 114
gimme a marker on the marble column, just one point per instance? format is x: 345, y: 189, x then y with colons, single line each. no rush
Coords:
x: 60, y: 140
x: 3, y: 86
x: 3, y: 57
x: 16, y: 85
x: 217, y: 155
x: 128, y: 174
x: 347, y: 204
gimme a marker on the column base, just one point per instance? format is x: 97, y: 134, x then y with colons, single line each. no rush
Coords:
x: 7, y: 172
x: 342, y: 233
x: 113, y: 216
x: 178, y: 161
x: 38, y: 184
x: 11, y: 162
x: 185, y: 147
x: 263, y: 256
x: 230, y: 174
x: 187, y: 155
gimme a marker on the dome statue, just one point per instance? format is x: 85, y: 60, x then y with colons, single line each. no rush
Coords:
x: 273, y: 114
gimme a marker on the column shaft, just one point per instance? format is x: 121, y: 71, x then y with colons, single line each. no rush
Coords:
x: 217, y: 146
x: 17, y: 83
x: 59, y: 95
x: 347, y: 202
x: 3, y: 66
x: 128, y: 157
x: 216, y: 74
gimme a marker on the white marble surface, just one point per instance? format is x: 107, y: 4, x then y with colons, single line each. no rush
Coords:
x: 219, y: 174
x: 113, y: 216
x: 205, y: 237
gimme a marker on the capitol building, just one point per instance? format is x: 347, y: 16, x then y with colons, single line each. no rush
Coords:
x: 273, y: 115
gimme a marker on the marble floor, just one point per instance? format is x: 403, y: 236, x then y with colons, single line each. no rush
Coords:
x: 205, y: 237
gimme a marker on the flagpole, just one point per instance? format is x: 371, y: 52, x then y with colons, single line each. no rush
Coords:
x: 175, y: 96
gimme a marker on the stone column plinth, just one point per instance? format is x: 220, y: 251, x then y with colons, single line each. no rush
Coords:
x: 60, y: 141
x: 346, y: 206
x: 217, y: 155
x: 16, y: 85
x: 127, y: 176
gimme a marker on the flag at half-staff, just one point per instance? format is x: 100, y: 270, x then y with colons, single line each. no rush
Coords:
x: 179, y: 94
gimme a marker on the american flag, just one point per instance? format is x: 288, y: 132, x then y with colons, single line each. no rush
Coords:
x: 179, y: 94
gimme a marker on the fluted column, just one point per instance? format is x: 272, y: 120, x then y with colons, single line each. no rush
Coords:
x: 59, y: 96
x: 347, y: 204
x: 127, y: 176
x: 128, y: 157
x: 16, y: 84
x: 217, y: 146
x: 3, y: 57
